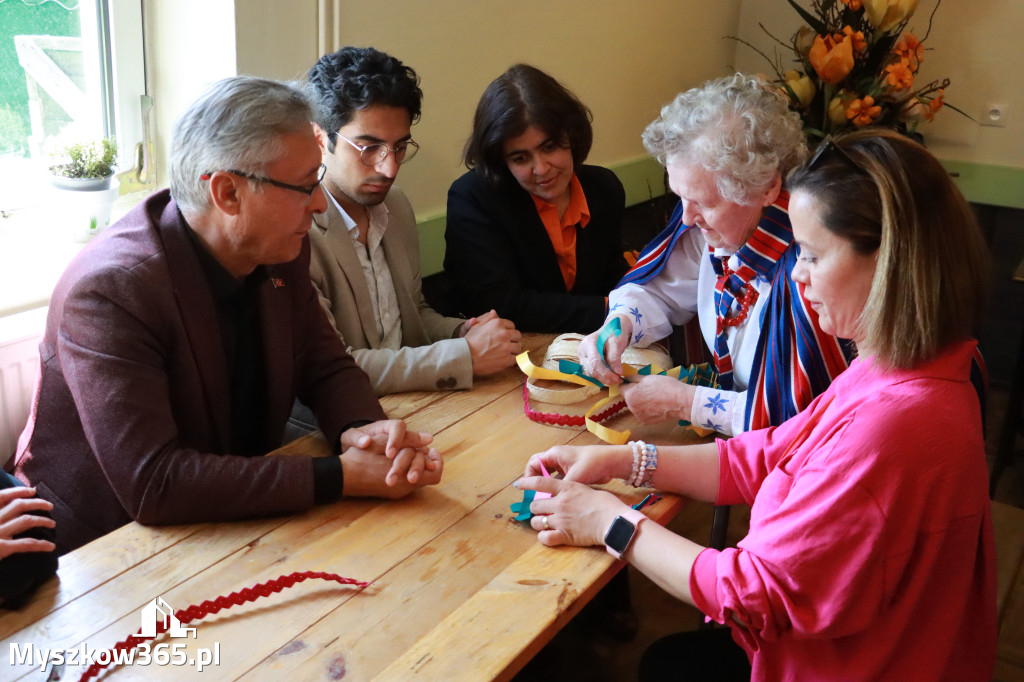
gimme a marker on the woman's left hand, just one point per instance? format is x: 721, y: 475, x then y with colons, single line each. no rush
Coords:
x: 576, y: 514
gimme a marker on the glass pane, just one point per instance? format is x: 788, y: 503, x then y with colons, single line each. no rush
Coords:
x: 49, y: 89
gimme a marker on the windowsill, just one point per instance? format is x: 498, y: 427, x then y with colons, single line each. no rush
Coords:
x: 35, y: 252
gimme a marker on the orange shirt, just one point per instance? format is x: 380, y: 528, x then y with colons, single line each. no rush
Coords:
x: 562, y: 233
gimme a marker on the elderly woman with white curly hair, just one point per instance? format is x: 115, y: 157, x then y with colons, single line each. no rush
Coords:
x: 727, y: 257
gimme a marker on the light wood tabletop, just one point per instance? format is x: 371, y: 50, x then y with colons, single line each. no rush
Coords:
x: 458, y: 589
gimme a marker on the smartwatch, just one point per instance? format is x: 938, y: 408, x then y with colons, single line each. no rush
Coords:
x: 622, y: 531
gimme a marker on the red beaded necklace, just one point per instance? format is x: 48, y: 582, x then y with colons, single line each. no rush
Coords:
x: 746, y: 301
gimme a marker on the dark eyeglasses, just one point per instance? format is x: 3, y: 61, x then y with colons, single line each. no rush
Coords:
x: 829, y: 145
x: 372, y: 154
x: 308, y: 191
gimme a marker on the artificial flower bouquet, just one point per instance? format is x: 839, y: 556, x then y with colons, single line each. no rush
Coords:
x: 858, y: 67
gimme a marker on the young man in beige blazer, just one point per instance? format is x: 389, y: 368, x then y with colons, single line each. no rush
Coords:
x: 365, y: 248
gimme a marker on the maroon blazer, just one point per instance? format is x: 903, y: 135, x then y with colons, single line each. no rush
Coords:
x: 131, y: 417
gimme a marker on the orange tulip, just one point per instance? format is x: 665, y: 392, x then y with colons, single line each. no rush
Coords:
x: 831, y: 60
x: 863, y: 111
x: 900, y: 77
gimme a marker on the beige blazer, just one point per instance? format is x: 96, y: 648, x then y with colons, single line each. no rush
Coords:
x: 430, y: 359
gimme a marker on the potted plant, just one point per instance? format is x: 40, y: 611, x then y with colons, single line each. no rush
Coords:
x: 82, y: 176
x: 85, y: 166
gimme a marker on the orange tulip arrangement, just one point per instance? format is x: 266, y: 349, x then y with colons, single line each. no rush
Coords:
x: 857, y: 67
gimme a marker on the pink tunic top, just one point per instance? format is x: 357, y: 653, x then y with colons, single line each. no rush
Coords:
x: 870, y: 554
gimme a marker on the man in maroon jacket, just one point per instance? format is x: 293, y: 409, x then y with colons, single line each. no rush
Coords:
x: 177, y: 341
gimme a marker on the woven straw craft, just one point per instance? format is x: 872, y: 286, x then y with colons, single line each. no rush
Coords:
x: 566, y: 347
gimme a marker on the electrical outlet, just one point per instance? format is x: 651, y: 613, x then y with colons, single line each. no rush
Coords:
x: 994, y: 115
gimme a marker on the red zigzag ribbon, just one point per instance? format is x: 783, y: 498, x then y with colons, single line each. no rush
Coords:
x: 198, y: 612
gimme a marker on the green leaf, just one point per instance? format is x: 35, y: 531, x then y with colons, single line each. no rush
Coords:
x: 879, y: 53
x: 947, y: 105
x: 811, y: 20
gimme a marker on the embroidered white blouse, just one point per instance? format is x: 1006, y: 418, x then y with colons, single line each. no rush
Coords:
x: 686, y: 286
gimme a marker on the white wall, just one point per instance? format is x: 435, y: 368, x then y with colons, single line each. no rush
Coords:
x: 276, y: 38
x: 624, y: 59
x: 189, y: 43
x: 623, y: 62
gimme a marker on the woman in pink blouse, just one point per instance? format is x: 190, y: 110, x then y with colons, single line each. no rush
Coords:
x: 870, y: 552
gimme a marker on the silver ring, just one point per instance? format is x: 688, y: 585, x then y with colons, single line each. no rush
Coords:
x: 544, y: 519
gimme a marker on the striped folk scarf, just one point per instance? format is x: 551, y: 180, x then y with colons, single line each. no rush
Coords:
x: 794, y: 360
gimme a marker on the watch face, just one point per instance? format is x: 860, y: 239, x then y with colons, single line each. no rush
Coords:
x: 619, y: 534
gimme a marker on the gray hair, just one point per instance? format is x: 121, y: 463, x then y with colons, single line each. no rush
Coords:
x: 740, y: 128
x: 237, y: 124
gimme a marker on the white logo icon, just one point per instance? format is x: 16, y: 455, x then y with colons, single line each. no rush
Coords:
x: 159, y: 610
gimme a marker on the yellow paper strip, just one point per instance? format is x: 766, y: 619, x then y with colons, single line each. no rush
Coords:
x: 535, y: 372
x: 603, y: 432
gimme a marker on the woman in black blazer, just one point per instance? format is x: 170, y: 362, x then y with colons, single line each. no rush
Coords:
x: 532, y: 232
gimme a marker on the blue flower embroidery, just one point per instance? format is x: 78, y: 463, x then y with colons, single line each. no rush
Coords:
x: 615, y: 307
x: 635, y: 312
x: 717, y: 403
x: 639, y: 335
x: 711, y: 426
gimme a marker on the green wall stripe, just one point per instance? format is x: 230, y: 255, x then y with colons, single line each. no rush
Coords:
x: 984, y: 183
x: 431, y: 244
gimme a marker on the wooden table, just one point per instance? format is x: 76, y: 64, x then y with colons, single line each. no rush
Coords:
x: 459, y: 590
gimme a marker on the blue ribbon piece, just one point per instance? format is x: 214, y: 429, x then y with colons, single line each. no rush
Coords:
x: 612, y: 328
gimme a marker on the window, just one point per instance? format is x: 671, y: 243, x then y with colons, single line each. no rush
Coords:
x: 70, y: 70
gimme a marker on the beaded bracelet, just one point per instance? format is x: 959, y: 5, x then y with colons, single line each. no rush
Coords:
x: 650, y: 465
x: 637, y: 446
x: 638, y: 475
x: 645, y: 461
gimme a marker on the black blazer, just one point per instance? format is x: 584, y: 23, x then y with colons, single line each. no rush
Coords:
x: 499, y: 255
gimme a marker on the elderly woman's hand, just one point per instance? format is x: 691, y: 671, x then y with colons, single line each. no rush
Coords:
x: 659, y: 398
x: 575, y: 514
x: 590, y: 359
x: 16, y: 517
x: 585, y: 464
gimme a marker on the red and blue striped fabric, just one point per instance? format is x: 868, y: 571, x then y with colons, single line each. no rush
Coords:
x: 795, y: 360
x: 654, y: 256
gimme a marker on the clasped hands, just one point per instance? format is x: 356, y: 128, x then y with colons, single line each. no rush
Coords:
x: 651, y: 399
x: 493, y: 342
x: 385, y: 459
